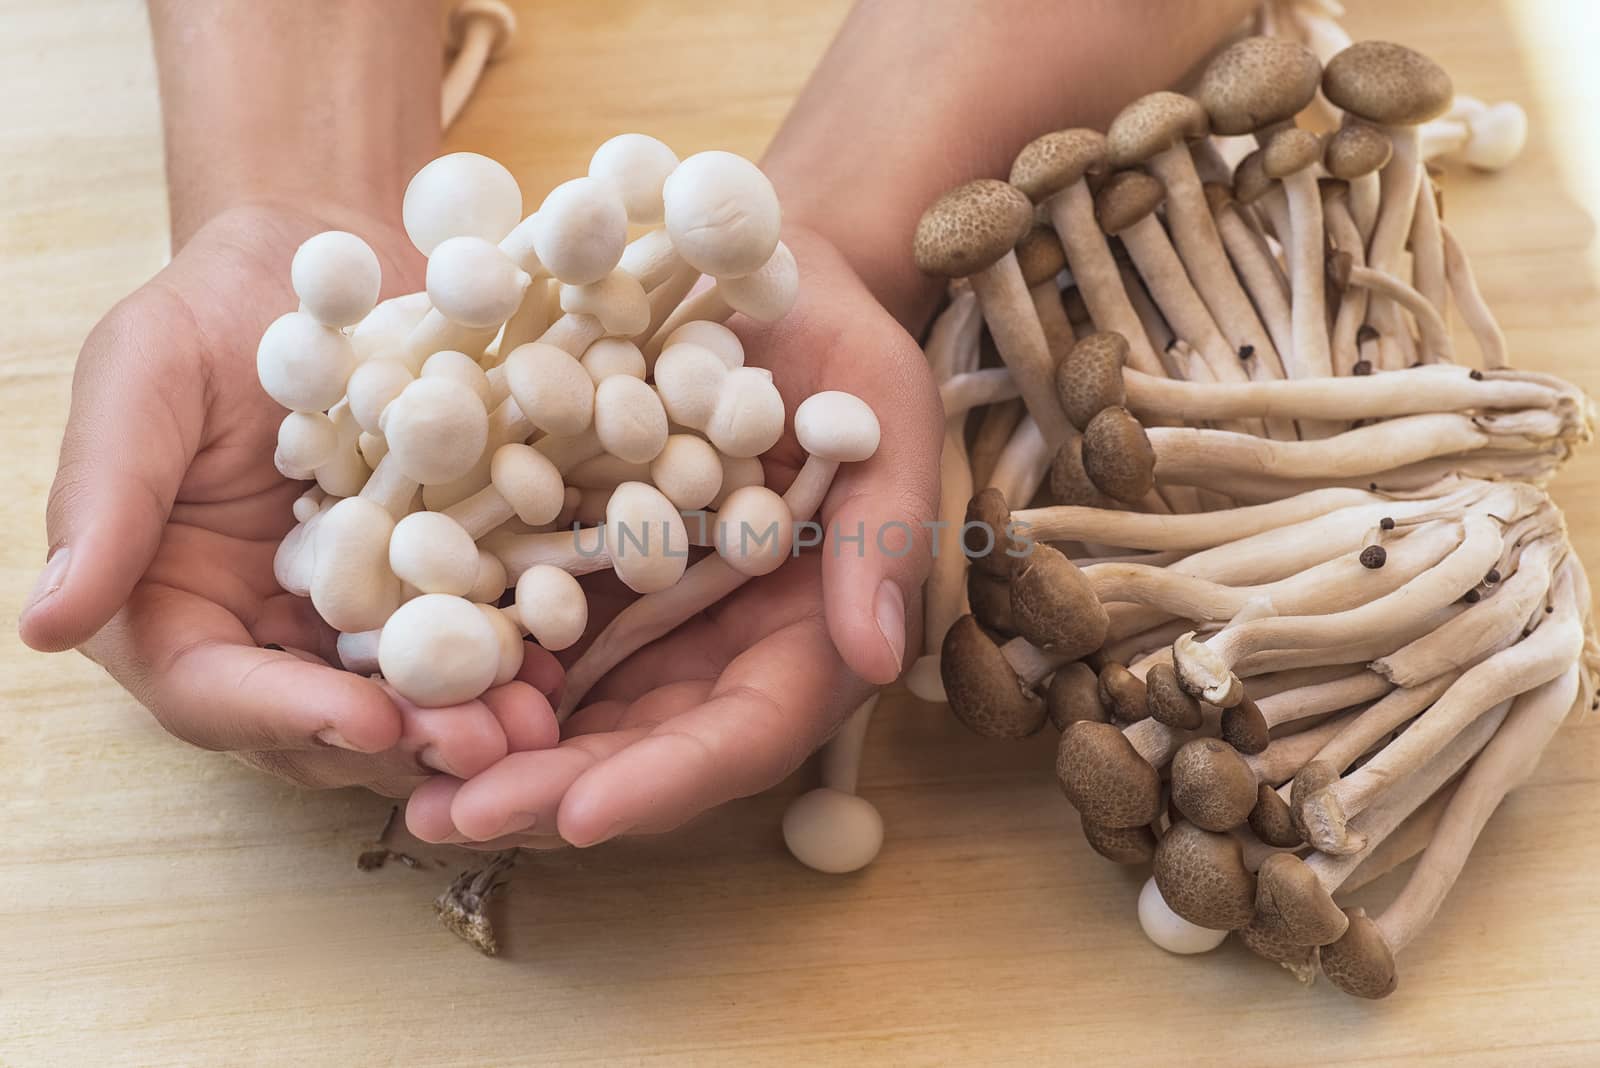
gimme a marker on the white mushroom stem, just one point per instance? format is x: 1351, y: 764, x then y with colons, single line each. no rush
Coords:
x: 1308, y: 309
x: 1378, y: 721
x: 1008, y: 309
x: 841, y: 756
x: 1435, y: 334
x: 1365, y: 197
x: 1427, y: 250
x: 1047, y: 305
x: 1023, y: 463
x: 1260, y: 274
x: 1474, y: 309
x: 994, y: 432
x: 578, y: 552
x: 1401, y: 844
x: 1488, y: 137
x: 1399, y: 181
x: 1344, y: 344
x: 1286, y: 755
x: 961, y: 393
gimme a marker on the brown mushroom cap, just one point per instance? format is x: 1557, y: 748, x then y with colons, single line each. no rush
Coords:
x: 1089, y: 378
x: 1361, y: 962
x: 1105, y: 778
x: 1289, y: 896
x: 1268, y: 942
x: 1258, y: 81
x: 1123, y: 693
x: 1355, y: 149
x: 984, y: 691
x: 1069, y: 482
x: 1048, y: 164
x: 1120, y: 845
x: 1339, y: 265
x: 1271, y: 820
x: 1245, y: 728
x: 983, y: 534
x: 1212, y: 785
x: 1387, y: 83
x: 1127, y: 197
x: 971, y: 227
x: 1040, y: 255
x: 1168, y: 701
x: 1118, y: 456
x: 990, y: 599
x: 1151, y: 125
x: 1054, y: 606
x: 1073, y: 695
x: 1250, y: 182
x: 1289, y: 151
x: 1309, y: 781
x: 1202, y: 877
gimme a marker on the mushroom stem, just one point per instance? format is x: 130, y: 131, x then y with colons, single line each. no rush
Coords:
x: 1018, y: 335
x: 1344, y: 344
x: 1022, y: 464
x: 994, y: 432
x: 1435, y: 334
x: 1308, y: 308
x: 1259, y: 272
x: 1401, y: 844
x: 1427, y: 250
x: 1474, y: 309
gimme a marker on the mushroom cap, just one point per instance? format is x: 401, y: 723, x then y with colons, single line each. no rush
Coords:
x: 1309, y: 781
x: 1271, y: 820
x: 1126, y: 198
x: 984, y: 691
x: 1250, y: 181
x: 1049, y: 163
x: 1118, y: 456
x: 1104, y: 777
x: 528, y: 481
x: 1170, y: 931
x: 984, y: 532
x: 462, y: 194
x: 508, y: 642
x: 459, y: 367
x: 1123, y: 693
x: 434, y: 553
x: 1089, y: 379
x: 552, y: 606
x: 1386, y: 83
x: 1291, y: 897
x: 1258, y: 81
x: 971, y: 227
x: 687, y: 471
x: 617, y: 300
x: 1152, y: 124
x: 1053, y: 604
x: 438, y: 650
x: 302, y: 364
x: 645, y: 537
x: 613, y: 356
x: 472, y: 282
x: 1040, y: 255
x: 306, y: 441
x: 1245, y: 728
x: 372, y: 385
x: 689, y: 378
x: 765, y: 294
x: 1169, y: 703
x: 553, y: 390
x: 754, y: 531
x: 350, y: 584
x: 582, y: 230
x: 832, y: 831
x: 1269, y: 943
x: 1069, y: 482
x: 1212, y: 785
x: 336, y: 276
x: 722, y: 214
x: 836, y: 426
x: 721, y: 341
x: 990, y: 601
x: 738, y: 472
x: 1355, y: 149
x: 1120, y: 845
x: 1073, y: 695
x: 638, y: 166
x: 491, y: 582
x: 436, y: 429
x: 1289, y: 151
x: 1203, y: 878
x: 748, y: 417
x: 1360, y: 962
x: 629, y: 419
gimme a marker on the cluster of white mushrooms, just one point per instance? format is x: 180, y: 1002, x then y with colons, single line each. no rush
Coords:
x: 1279, y: 568
x: 555, y: 403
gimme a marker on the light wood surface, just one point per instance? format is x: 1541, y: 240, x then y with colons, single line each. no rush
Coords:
x: 162, y: 905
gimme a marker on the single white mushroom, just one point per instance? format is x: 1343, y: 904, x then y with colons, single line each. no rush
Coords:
x: 617, y: 300
x: 351, y: 583
x: 552, y: 606
x: 831, y: 829
x: 437, y: 650
x: 302, y: 364
x: 688, y: 471
x: 638, y: 166
x: 473, y: 283
x: 336, y: 276
x: 461, y: 194
x: 754, y: 531
x: 629, y: 420
x: 613, y: 356
x: 748, y: 417
x: 583, y: 228
x: 643, y: 540
x: 306, y: 441
x: 722, y: 214
x: 1170, y: 931
x: 432, y: 552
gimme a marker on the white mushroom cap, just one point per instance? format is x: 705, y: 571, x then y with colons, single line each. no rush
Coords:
x: 434, y: 553
x: 689, y: 379
x: 737, y: 473
x: 709, y: 335
x: 309, y: 503
x: 460, y: 195
x: 436, y: 430
x: 687, y: 471
x: 836, y: 426
x: 459, y: 367
x: 645, y: 537
x: 765, y: 295
x: 637, y: 165
x: 439, y: 650
x: 552, y: 389
x: 302, y: 364
x: 372, y: 447
x: 629, y: 419
x: 552, y: 606
x: 1170, y: 931
x: 336, y: 276
x: 472, y: 282
x: 617, y: 300
x: 1496, y: 136
x: 491, y: 581
x: 508, y: 644
x: 722, y: 214
x: 306, y: 441
x: 583, y: 228
x: 748, y: 418
x: 613, y: 356
x: 387, y: 325
x: 358, y: 651
x: 529, y: 482
x: 351, y: 585
x: 755, y: 531
x: 372, y: 385
x: 833, y: 832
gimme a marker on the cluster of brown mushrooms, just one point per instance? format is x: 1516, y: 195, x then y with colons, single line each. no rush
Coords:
x: 1239, y: 522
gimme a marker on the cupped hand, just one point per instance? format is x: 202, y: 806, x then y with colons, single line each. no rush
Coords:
x: 728, y: 704
x: 167, y: 509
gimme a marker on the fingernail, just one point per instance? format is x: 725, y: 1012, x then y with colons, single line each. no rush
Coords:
x: 519, y: 823
x: 329, y: 736
x: 889, y: 608
x: 50, y: 579
x: 617, y: 828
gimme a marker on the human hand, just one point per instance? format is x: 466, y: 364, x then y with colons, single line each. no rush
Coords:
x: 167, y: 509
x: 732, y: 701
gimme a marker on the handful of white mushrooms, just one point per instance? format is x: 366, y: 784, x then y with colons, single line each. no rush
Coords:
x: 552, y: 370
x: 1224, y: 506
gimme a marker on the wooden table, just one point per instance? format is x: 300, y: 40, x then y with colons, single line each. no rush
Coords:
x: 162, y: 905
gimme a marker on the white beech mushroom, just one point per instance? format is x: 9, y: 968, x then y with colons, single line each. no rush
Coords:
x: 765, y: 295
x: 1288, y: 156
x: 336, y: 276
x: 552, y: 606
x: 438, y: 650
x: 1487, y: 137
x: 304, y: 364
x: 522, y: 483
x: 460, y: 194
x: 643, y: 540
x: 830, y: 829
x: 638, y: 166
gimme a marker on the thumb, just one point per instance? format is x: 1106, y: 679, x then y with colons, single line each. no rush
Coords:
x: 134, y: 425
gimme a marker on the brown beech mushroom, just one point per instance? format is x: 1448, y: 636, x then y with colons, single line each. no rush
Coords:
x: 1169, y: 702
x: 1105, y: 778
x: 1212, y: 785
x: 1120, y: 845
x: 1053, y: 606
x: 1073, y: 695
x: 982, y: 687
x: 1354, y: 154
x: 1123, y: 694
x: 1117, y: 455
x: 1202, y: 877
x: 1041, y: 259
x: 1089, y: 378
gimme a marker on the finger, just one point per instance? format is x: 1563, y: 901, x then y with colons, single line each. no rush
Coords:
x: 541, y: 670
x: 523, y: 792
x: 331, y: 769
x: 459, y: 740
x: 135, y: 423
x: 525, y: 716
x: 428, y: 810
x: 651, y: 709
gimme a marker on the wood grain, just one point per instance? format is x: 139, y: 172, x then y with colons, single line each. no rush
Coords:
x: 162, y: 905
